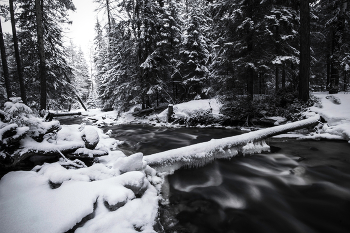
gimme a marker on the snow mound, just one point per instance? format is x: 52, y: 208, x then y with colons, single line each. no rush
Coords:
x: 52, y: 198
x: 335, y: 109
x: 90, y: 137
x: 185, y: 110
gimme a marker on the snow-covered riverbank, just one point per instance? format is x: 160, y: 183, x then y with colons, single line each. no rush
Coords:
x: 64, y: 195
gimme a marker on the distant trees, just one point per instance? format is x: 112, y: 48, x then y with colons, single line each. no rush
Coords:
x: 168, y: 51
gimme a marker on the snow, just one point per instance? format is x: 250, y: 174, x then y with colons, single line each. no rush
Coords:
x: 335, y: 109
x: 183, y: 111
x: 67, y: 195
x: 121, y: 193
x: 29, y: 204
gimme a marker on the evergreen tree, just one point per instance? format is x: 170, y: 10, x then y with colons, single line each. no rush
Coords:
x: 195, y: 50
x: 333, y: 20
x: 54, y: 16
x: 81, y: 77
x: 18, y: 59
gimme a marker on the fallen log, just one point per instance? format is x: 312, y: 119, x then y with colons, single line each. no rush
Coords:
x: 148, y: 110
x: 50, y: 115
x: 66, y: 114
x: 202, y: 153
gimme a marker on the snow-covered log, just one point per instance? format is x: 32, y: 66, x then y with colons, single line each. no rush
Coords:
x: 202, y: 153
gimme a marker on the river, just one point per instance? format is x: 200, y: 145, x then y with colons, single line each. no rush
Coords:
x: 301, y: 186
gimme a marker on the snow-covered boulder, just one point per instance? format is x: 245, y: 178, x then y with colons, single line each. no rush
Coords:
x: 52, y: 198
x: 90, y: 137
x: 131, y: 163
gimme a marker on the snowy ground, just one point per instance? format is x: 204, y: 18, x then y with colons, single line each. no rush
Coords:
x: 116, y: 194
x: 181, y: 111
x: 55, y: 198
x: 335, y: 109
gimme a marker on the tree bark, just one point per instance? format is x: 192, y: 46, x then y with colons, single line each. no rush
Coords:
x: 328, y: 72
x: 4, y: 64
x: 304, y: 74
x: 345, y: 79
x: 42, y: 66
x: 277, y: 81
x: 17, y: 56
x: 250, y: 82
x: 283, y: 77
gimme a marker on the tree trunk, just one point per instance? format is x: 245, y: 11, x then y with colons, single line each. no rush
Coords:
x: 283, y: 77
x: 42, y: 67
x: 328, y: 72
x: 345, y: 79
x: 277, y: 83
x: 18, y: 59
x: 75, y: 93
x: 250, y: 82
x: 304, y: 74
x: 4, y: 64
x: 277, y: 44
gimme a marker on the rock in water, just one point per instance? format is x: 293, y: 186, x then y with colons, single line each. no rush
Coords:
x: 90, y: 137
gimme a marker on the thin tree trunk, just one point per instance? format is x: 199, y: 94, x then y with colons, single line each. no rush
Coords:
x: 277, y: 44
x: 283, y: 77
x: 4, y: 64
x: 18, y: 59
x: 304, y: 74
x: 345, y: 79
x: 277, y: 81
x: 328, y: 72
x: 250, y: 82
x: 75, y: 93
x: 108, y: 16
x: 42, y: 67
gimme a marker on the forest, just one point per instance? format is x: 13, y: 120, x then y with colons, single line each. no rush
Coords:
x: 153, y: 52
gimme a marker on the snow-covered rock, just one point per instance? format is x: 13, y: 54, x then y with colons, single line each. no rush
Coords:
x: 90, y: 137
x: 52, y: 198
x: 131, y: 163
x: 335, y: 109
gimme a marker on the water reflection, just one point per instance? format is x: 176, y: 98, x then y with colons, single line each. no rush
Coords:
x: 299, y: 189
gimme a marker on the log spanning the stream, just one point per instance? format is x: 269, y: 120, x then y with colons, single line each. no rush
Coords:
x: 202, y: 153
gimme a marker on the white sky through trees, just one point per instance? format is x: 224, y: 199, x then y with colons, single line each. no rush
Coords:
x: 82, y: 30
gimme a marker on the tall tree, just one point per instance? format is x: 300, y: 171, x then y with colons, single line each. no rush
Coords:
x: 41, y: 50
x: 304, y: 72
x: 17, y: 56
x: 195, y: 50
x: 4, y: 64
x: 54, y: 18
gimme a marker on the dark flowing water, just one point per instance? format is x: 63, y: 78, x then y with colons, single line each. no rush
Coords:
x: 302, y: 186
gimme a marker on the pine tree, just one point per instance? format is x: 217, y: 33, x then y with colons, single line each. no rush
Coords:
x: 80, y: 72
x: 4, y: 64
x: 304, y: 75
x: 334, y: 20
x: 55, y: 15
x: 195, y: 51
x: 18, y: 59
